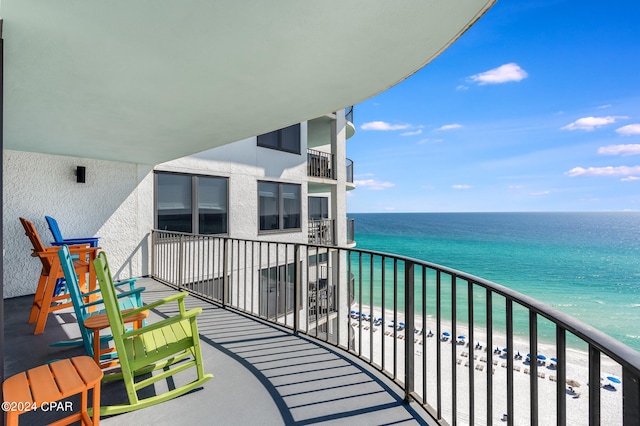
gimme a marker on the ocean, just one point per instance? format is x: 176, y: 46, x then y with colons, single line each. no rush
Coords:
x: 584, y: 264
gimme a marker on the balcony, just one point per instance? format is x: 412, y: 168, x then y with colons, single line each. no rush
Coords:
x: 320, y: 164
x: 351, y: 231
x: 350, y: 127
x: 321, y: 231
x: 309, y: 333
x: 453, y: 342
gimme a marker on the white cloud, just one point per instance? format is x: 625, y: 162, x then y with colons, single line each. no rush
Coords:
x: 462, y: 87
x: 461, y: 186
x: 450, y: 127
x: 503, y: 74
x: 604, y: 171
x: 590, y: 123
x: 629, y: 129
x: 384, y: 126
x: 604, y: 106
x: 540, y: 193
x: 412, y: 133
x: 624, y: 150
x: 515, y: 187
x: 373, y: 184
x: 427, y: 140
x: 629, y: 179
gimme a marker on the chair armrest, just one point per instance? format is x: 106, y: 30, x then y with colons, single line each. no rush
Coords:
x: 75, y: 241
x: 119, y: 296
x: 191, y: 313
x: 130, y: 281
x: 174, y: 297
x: 75, y: 249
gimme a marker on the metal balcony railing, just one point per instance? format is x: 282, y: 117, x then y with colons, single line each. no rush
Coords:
x: 378, y: 307
x: 321, y: 231
x: 351, y: 231
x: 348, y: 114
x: 349, y: 170
x: 320, y: 164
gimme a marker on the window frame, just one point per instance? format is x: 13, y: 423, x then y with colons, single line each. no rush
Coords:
x: 280, y: 197
x: 195, y: 208
x: 279, y: 136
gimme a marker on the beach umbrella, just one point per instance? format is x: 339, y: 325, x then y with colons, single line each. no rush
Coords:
x: 446, y: 333
x: 504, y: 349
x: 461, y: 337
x: 573, y: 383
x: 613, y: 379
x: 554, y: 359
x: 542, y: 357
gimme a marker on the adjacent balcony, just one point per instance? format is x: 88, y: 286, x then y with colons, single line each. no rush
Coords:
x: 321, y: 231
x: 351, y: 231
x: 320, y: 164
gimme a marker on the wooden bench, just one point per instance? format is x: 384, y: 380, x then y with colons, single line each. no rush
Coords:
x: 40, y: 388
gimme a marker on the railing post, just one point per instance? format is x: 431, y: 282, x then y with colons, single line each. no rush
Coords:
x: 630, y: 397
x: 180, y: 260
x: 297, y: 286
x: 594, y: 389
x: 225, y: 273
x: 409, y: 313
x: 153, y: 253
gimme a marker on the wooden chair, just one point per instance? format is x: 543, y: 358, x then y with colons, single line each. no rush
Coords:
x: 49, y: 296
x: 57, y: 235
x: 92, y: 323
x: 171, y: 345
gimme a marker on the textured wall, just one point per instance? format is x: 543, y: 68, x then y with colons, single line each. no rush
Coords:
x: 114, y: 204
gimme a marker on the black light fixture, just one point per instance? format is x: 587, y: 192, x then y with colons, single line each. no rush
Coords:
x: 81, y: 174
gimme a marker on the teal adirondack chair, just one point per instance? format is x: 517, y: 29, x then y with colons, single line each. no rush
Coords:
x: 171, y: 345
x: 130, y: 299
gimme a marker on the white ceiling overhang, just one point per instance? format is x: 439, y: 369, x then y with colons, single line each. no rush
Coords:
x: 148, y: 81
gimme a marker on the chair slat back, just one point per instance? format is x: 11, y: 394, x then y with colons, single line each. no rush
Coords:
x: 66, y: 261
x: 55, y: 229
x: 36, y: 242
x: 110, y: 299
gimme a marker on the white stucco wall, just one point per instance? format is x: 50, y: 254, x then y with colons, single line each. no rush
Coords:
x: 115, y: 204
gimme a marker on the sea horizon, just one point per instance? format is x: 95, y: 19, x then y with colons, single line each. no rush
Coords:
x: 585, y: 264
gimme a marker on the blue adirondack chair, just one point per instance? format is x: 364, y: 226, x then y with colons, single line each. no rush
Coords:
x: 130, y: 299
x: 59, y: 240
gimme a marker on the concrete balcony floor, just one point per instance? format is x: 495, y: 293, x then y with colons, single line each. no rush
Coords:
x: 262, y: 374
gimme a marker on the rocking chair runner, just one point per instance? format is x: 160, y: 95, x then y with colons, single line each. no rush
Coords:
x: 47, y: 298
x: 172, y: 344
x: 91, y: 324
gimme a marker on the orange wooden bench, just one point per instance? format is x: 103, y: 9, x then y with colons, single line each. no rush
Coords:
x: 40, y: 388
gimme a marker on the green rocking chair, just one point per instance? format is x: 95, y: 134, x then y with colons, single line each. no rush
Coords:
x: 171, y: 345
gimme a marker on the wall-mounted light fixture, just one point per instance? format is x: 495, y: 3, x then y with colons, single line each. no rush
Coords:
x: 81, y: 174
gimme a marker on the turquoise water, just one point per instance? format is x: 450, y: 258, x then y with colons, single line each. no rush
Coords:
x: 584, y: 264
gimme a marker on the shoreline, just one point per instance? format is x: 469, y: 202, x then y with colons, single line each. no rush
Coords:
x: 466, y: 356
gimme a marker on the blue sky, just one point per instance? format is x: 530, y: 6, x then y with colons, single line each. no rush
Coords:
x: 535, y: 108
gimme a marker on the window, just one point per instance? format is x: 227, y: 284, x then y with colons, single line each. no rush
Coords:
x: 189, y: 203
x: 318, y: 208
x: 279, y: 206
x: 287, y: 139
x: 276, y: 290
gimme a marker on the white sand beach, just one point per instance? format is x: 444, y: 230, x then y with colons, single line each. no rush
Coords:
x: 366, y: 333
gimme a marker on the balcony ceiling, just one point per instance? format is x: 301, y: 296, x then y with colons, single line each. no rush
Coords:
x: 148, y: 81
